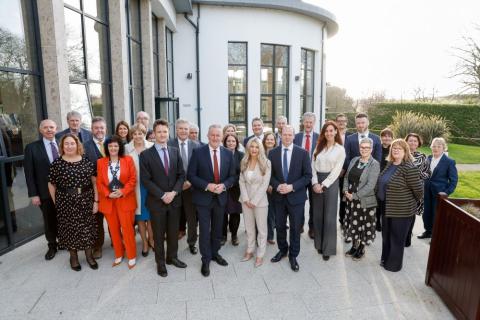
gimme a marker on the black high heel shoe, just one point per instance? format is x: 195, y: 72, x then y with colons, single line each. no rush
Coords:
x: 74, y: 264
x: 145, y: 253
x: 90, y: 259
x: 360, y: 253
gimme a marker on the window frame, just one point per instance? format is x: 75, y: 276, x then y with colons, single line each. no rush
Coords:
x: 303, y: 90
x: 244, y: 95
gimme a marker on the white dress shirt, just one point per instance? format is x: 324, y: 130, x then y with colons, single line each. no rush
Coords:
x: 434, y: 162
x: 48, y: 148
x: 329, y: 160
x: 112, y: 167
x: 289, y: 155
x: 304, y: 140
x: 365, y: 135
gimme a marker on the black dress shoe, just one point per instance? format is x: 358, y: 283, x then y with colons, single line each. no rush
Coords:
x: 205, y: 269
x: 193, y: 249
x: 218, y: 259
x: 93, y: 264
x: 162, y: 270
x: 145, y: 253
x: 325, y: 257
x: 408, y: 242
x: 311, y: 234
x: 294, y: 264
x: 425, y: 235
x: 319, y: 251
x: 351, y: 252
x: 279, y: 256
x: 235, y: 241
x: 50, y: 253
x: 177, y: 263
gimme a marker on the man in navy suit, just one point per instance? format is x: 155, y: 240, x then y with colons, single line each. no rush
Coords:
x: 291, y: 173
x: 342, y: 122
x: 280, y: 123
x: 74, y: 120
x: 211, y: 172
x: 94, y: 150
x: 308, y: 141
x: 38, y: 157
x: 257, y: 128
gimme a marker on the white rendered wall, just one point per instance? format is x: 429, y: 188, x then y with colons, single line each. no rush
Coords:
x: 218, y: 25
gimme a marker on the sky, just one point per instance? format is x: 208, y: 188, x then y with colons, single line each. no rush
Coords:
x: 397, y: 45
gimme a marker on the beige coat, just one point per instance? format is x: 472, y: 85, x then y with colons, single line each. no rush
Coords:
x: 254, y: 187
x: 130, y: 150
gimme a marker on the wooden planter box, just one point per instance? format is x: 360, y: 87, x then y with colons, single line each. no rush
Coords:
x: 453, y: 269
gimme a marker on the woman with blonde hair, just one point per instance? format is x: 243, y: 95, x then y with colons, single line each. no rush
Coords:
x: 255, y: 170
x: 136, y: 146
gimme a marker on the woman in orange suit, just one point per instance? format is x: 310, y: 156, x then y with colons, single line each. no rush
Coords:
x: 116, y: 181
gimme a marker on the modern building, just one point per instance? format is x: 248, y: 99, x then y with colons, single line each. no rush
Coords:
x: 206, y: 61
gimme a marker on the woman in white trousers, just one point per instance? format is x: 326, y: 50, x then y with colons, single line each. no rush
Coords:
x: 255, y: 170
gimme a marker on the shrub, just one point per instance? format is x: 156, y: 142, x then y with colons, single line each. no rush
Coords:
x: 427, y: 126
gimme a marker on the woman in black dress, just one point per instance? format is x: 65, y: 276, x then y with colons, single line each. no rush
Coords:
x: 72, y: 188
x: 234, y: 207
x: 359, y: 190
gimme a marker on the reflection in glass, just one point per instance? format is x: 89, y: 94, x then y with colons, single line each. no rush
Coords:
x: 134, y: 19
x: 96, y: 8
x: 136, y: 64
x: 169, y: 50
x: 17, y: 45
x: 97, y: 50
x: 137, y: 100
x: 281, y: 56
x: 79, y: 102
x: 237, y: 81
x: 237, y: 53
x: 267, y: 55
x: 74, y: 3
x: 74, y: 45
x: 266, y: 109
x: 237, y: 108
x: 281, y: 80
x: 307, y: 80
x: 266, y: 80
x: 281, y: 106
x: 18, y: 109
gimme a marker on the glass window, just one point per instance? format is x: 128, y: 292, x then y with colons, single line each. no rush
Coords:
x: 156, y: 56
x: 238, y: 86
x: 88, y: 59
x: 274, y: 82
x: 134, y: 39
x: 169, y: 50
x: 307, y: 80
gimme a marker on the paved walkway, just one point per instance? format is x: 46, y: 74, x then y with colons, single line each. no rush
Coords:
x: 33, y: 288
x: 468, y: 167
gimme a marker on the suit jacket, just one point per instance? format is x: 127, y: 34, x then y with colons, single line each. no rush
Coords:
x: 254, y: 189
x: 190, y: 146
x: 91, y: 152
x: 352, y: 148
x: 299, y: 174
x: 235, y: 189
x: 444, y: 177
x: 200, y: 174
x: 36, y: 166
x: 128, y: 176
x: 245, y: 141
x: 299, y: 139
x: 366, y: 186
x: 157, y: 183
x: 84, y: 135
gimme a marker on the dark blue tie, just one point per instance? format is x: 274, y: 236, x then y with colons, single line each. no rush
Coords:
x: 285, y: 164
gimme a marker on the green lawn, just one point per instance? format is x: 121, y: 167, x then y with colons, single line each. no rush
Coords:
x: 460, y: 153
x: 468, y: 185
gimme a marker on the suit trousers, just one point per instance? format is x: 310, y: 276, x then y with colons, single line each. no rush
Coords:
x: 100, y: 231
x: 310, y: 207
x: 120, y: 224
x: 50, y: 222
x: 270, y: 218
x: 188, y: 217
x: 256, y: 226
x: 165, y: 221
x: 210, y: 220
x: 430, y: 206
x: 231, y: 222
x: 341, y: 210
x: 394, y: 234
x: 295, y: 217
x: 325, y: 218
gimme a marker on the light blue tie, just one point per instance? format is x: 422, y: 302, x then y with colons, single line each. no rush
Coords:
x: 285, y: 164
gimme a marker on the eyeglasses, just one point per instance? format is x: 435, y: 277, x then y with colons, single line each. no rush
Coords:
x: 365, y: 148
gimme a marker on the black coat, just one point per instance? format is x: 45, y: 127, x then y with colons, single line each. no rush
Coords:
x: 37, y: 165
x: 91, y: 152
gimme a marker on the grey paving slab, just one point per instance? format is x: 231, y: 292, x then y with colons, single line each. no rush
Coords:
x: 186, y: 291
x: 235, y: 287
x: 230, y: 308
x: 276, y: 306
x: 56, y: 301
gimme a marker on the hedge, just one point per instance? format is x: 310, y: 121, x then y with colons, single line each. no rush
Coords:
x: 464, y: 119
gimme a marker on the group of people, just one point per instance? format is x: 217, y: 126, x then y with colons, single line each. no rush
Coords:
x: 171, y: 188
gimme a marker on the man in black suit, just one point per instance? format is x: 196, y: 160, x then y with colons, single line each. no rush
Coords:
x: 257, y: 128
x: 291, y: 173
x: 74, y: 120
x: 38, y: 157
x: 188, y: 214
x: 94, y: 150
x: 342, y: 121
x: 162, y: 174
x: 211, y: 171
x: 193, y: 134
x: 308, y: 141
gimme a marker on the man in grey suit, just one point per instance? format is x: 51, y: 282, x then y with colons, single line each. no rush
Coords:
x: 74, y: 120
x: 188, y: 215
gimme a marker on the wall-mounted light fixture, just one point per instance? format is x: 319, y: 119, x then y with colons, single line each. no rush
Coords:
x: 297, y: 78
x: 189, y: 76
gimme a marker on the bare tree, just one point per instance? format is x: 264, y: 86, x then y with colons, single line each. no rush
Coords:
x: 420, y: 95
x: 468, y: 65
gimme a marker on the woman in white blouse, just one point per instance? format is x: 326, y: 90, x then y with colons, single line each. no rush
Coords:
x: 327, y: 163
x: 142, y: 215
x: 255, y: 170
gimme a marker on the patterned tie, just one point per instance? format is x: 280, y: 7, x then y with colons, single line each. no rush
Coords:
x: 165, y: 160
x: 101, y: 148
x: 216, y: 173
x: 54, y: 151
x: 285, y: 164
x: 307, y: 143
x: 183, y: 154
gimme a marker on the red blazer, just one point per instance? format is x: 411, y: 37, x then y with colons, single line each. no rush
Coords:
x: 128, y: 176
